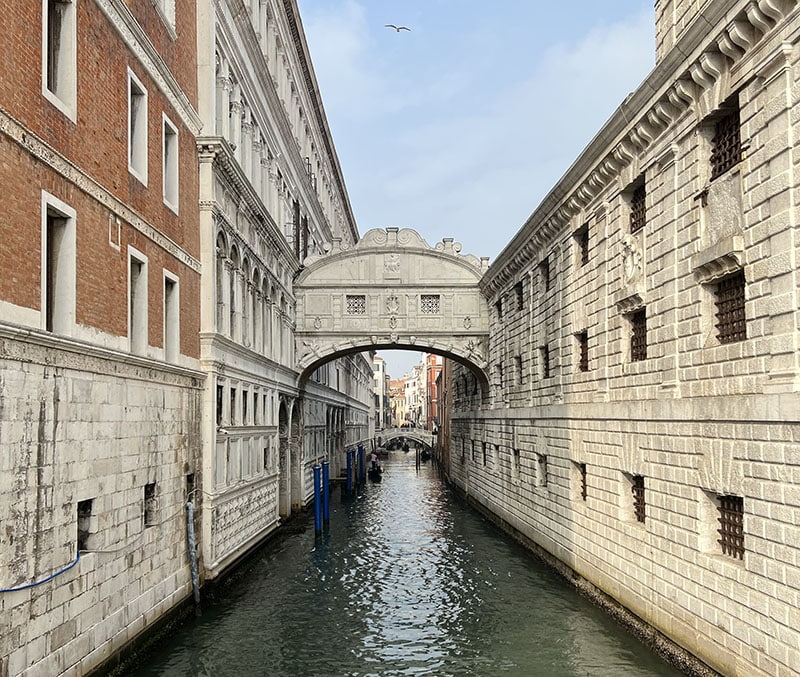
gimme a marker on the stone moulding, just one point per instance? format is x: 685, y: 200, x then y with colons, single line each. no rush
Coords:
x: 644, y: 116
x: 720, y: 260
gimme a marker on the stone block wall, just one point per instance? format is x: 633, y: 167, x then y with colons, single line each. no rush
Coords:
x: 79, y: 426
x: 633, y: 469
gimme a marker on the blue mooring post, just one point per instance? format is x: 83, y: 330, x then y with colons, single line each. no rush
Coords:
x: 362, y: 468
x: 349, y: 481
x: 326, y: 493
x: 317, y: 501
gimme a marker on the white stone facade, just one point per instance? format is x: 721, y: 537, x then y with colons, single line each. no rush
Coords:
x: 628, y: 449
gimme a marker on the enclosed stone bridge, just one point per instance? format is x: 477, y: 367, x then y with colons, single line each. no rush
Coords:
x: 392, y: 290
x: 416, y: 434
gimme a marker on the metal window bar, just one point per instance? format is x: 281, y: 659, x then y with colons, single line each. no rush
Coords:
x: 544, y: 266
x: 582, y: 468
x: 583, y: 347
x: 731, y: 325
x: 545, y: 354
x: 726, y: 144
x: 639, y: 335
x: 638, y: 210
x: 637, y: 487
x: 519, y: 294
x: 583, y: 243
x: 731, y: 526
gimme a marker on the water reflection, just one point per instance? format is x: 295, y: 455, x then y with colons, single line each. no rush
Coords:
x: 407, y: 582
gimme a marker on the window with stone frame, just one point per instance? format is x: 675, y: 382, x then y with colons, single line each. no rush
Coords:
x: 59, y: 270
x: 582, y: 474
x: 540, y: 470
x: 169, y: 163
x: 518, y: 294
x: 429, y: 304
x: 519, y: 370
x: 729, y: 298
x: 150, y: 504
x: 137, y: 128
x: 356, y: 304
x: 726, y: 144
x: 515, y: 463
x: 582, y: 339
x: 59, y: 58
x: 167, y: 10
x: 731, y: 526
x: 638, y: 216
x: 582, y: 243
x: 638, y: 328
x: 498, y: 306
x: 220, y: 391
x: 86, y: 523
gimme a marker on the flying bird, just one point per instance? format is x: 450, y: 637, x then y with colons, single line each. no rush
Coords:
x: 398, y: 28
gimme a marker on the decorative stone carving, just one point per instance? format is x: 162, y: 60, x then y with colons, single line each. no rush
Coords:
x: 392, y: 303
x: 318, y: 322
x: 467, y: 322
x: 631, y: 259
x: 391, y: 263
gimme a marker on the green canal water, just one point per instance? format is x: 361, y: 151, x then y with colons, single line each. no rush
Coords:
x: 408, y: 581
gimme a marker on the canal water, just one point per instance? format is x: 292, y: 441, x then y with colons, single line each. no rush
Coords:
x: 408, y: 581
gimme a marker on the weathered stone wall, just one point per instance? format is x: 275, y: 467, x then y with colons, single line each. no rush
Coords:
x: 79, y: 425
x: 557, y: 455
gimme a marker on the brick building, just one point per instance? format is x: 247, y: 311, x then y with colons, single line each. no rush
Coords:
x: 99, y: 320
x: 645, y: 405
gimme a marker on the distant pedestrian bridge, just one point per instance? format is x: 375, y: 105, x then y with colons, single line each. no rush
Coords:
x: 392, y: 290
x: 419, y: 435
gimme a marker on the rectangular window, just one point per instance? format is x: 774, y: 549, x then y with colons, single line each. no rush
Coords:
x: 520, y: 373
x: 58, y: 265
x: 544, y: 272
x: 541, y: 470
x: 638, y: 210
x: 233, y: 407
x: 637, y: 487
x: 245, y: 402
x: 85, y: 525
x: 256, y: 410
x: 137, y: 128
x: 59, y: 55
x: 726, y: 144
x: 582, y: 243
x: 219, y: 404
x: 150, y: 504
x: 729, y: 302
x: 429, y: 304
x: 137, y: 301
x: 498, y: 306
x: 638, y: 321
x: 582, y: 472
x: 731, y: 526
x: 583, y: 350
x: 356, y: 304
x: 484, y: 453
x: 515, y: 463
x: 518, y: 294
x: 169, y: 163
x: 171, y: 318
x: 544, y: 361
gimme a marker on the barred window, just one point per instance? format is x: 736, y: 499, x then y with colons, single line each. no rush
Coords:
x: 150, y: 504
x: 638, y: 211
x: 582, y: 471
x: 544, y: 271
x: 544, y: 361
x: 582, y: 241
x: 583, y: 350
x: 637, y: 487
x: 638, y: 322
x: 498, y: 306
x: 729, y: 301
x: 429, y: 304
x: 519, y: 296
x: 726, y: 144
x: 356, y: 304
x: 731, y: 526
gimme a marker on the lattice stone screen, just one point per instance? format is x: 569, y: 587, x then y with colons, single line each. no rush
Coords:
x: 429, y: 304
x: 356, y: 304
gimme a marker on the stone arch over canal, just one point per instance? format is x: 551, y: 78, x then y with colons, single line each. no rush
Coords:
x: 392, y: 290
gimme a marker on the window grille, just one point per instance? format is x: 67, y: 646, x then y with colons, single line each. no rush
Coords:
x: 582, y: 470
x: 637, y: 487
x: 582, y: 238
x: 356, y: 304
x: 219, y: 404
x: 731, y: 526
x: 429, y: 304
x: 544, y: 268
x: 583, y: 351
x: 518, y: 294
x: 638, y: 335
x: 544, y: 354
x: 150, y: 504
x: 638, y: 210
x: 499, y: 308
x: 726, y: 144
x: 731, y: 325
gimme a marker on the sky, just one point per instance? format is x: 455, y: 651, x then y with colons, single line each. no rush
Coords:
x: 461, y: 125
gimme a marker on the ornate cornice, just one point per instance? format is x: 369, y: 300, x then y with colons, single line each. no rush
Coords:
x: 693, y: 66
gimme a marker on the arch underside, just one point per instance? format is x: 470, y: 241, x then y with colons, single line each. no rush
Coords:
x: 389, y: 434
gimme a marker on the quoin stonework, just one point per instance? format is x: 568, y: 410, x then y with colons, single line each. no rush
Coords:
x: 189, y: 318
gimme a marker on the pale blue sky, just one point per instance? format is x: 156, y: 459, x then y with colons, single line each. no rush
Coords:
x: 460, y: 126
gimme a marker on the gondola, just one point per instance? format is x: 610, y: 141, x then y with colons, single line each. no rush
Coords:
x: 425, y: 455
x: 374, y: 473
